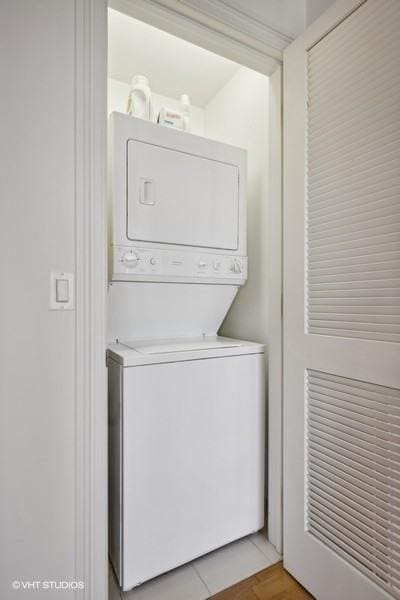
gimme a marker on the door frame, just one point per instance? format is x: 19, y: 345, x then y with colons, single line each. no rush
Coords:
x: 91, y: 250
x: 90, y: 132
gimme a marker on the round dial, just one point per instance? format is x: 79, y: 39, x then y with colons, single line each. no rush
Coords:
x: 217, y: 264
x: 130, y: 260
x: 236, y: 267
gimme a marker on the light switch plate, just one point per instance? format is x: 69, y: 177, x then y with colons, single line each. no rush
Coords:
x: 62, y: 293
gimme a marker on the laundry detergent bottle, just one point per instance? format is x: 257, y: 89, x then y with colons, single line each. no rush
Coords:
x: 186, y: 111
x: 140, y: 103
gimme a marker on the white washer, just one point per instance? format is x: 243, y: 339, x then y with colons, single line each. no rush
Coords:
x: 186, y: 439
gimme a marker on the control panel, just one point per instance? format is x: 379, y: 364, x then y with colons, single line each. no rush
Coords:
x: 131, y: 263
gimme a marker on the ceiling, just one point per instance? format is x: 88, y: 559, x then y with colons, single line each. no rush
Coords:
x: 173, y: 66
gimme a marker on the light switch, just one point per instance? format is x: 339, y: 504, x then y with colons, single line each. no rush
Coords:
x: 61, y: 291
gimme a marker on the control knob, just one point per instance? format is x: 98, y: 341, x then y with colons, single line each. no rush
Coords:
x: 236, y: 267
x: 130, y: 260
x: 217, y: 264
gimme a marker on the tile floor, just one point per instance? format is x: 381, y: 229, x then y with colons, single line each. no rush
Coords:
x: 207, y: 575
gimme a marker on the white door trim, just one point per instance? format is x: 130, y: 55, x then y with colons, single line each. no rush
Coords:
x: 91, y: 249
x: 275, y: 345
x: 90, y: 255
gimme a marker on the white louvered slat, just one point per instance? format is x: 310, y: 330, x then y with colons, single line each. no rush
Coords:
x: 353, y: 472
x: 348, y: 493
x: 338, y: 279
x: 350, y: 121
x: 388, y: 204
x: 363, y: 244
x: 364, y: 197
x: 354, y: 558
x: 345, y: 37
x: 366, y: 555
x: 353, y: 179
x: 367, y: 536
x: 321, y: 154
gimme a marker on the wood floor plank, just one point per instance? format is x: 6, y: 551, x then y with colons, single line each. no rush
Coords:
x: 240, y: 591
x: 269, y: 571
x: 273, y: 583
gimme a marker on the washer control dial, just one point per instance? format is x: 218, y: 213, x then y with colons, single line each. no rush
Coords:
x: 130, y: 260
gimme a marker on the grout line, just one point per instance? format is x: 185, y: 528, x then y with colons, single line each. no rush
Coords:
x: 273, y: 560
x: 201, y: 579
x: 258, y: 547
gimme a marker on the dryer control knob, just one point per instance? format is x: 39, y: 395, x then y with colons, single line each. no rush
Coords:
x: 236, y: 267
x: 217, y: 264
x: 130, y: 260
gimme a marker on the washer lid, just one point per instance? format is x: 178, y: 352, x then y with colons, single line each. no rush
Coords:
x: 134, y: 353
x: 179, y: 345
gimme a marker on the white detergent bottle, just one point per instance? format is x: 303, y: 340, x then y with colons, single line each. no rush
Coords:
x: 186, y: 111
x: 140, y: 103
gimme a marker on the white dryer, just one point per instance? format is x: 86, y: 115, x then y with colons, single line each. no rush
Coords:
x: 177, y: 210
x: 187, y: 416
x: 186, y: 440
x: 178, y: 218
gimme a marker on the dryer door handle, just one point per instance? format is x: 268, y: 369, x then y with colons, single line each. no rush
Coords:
x: 147, y: 192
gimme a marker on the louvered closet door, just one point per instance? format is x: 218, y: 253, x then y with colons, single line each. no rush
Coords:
x: 342, y: 303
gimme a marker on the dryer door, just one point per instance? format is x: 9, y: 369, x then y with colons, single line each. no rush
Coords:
x: 178, y: 198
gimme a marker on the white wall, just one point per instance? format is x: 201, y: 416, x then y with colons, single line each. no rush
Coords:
x: 167, y: 60
x: 246, y: 112
x: 118, y: 93
x: 238, y: 115
x: 37, y: 229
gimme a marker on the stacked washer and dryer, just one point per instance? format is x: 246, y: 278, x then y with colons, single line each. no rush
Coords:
x: 186, y: 407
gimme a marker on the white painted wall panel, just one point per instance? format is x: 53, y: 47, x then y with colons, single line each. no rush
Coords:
x: 37, y: 345
x: 238, y: 115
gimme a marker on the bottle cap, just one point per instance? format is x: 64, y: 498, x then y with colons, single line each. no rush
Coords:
x: 140, y: 79
x: 185, y: 100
